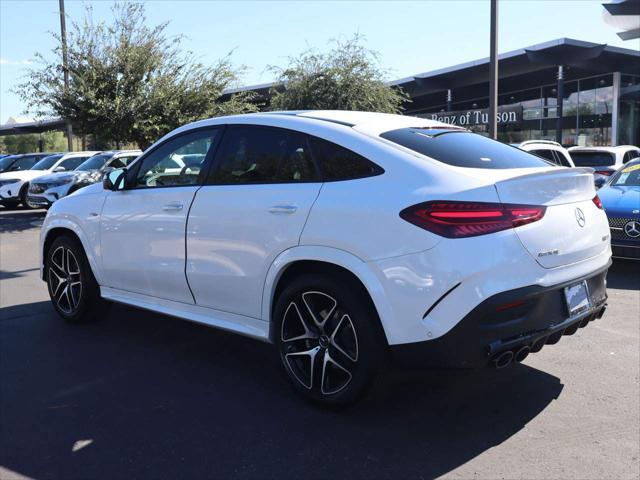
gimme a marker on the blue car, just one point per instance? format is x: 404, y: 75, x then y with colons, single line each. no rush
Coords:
x: 621, y: 201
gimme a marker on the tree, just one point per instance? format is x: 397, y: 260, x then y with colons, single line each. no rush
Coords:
x: 129, y: 81
x: 348, y: 77
x: 29, y: 143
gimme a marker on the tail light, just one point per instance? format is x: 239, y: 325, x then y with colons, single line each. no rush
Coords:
x: 606, y: 173
x: 469, y: 219
x: 598, y: 202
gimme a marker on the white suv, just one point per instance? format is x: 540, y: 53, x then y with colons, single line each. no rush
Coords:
x: 552, y: 151
x: 344, y: 238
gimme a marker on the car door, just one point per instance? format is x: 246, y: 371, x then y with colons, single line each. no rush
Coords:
x: 253, y: 207
x: 143, y: 225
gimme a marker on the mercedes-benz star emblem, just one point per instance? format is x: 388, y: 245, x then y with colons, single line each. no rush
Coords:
x: 580, y: 217
x: 632, y: 229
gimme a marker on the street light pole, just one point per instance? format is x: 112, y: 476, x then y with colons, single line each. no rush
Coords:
x: 493, y: 74
x: 65, y: 67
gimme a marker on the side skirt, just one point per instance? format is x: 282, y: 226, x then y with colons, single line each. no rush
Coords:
x: 247, y: 326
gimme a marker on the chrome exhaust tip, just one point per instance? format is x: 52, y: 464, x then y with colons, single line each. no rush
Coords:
x: 522, y: 353
x: 503, y: 360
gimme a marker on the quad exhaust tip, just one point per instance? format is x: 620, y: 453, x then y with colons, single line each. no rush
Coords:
x: 522, y: 353
x: 503, y: 360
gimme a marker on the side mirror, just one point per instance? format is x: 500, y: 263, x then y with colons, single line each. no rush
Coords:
x: 114, y: 180
x: 60, y: 169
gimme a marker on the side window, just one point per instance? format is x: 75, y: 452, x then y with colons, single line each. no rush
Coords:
x: 252, y: 154
x: 178, y: 161
x: 630, y: 155
x: 546, y: 154
x: 72, y: 163
x: 338, y: 163
x: 561, y: 159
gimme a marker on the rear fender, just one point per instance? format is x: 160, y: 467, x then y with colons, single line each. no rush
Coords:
x: 341, y: 258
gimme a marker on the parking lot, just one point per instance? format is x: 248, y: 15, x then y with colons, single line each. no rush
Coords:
x: 141, y: 395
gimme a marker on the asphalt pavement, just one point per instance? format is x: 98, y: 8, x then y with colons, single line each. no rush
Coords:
x: 141, y: 395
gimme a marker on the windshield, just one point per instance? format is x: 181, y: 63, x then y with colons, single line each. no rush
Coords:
x: 593, y: 159
x: 95, y: 163
x: 47, y: 162
x: 628, y: 177
x: 463, y: 149
x: 23, y: 163
x: 6, y: 161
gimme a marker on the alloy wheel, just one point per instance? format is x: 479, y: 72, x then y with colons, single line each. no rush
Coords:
x: 64, y: 280
x: 319, y: 343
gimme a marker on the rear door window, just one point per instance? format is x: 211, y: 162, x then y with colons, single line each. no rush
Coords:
x: 252, y: 154
x: 463, y: 149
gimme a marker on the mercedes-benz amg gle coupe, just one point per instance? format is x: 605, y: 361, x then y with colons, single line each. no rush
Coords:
x: 346, y: 239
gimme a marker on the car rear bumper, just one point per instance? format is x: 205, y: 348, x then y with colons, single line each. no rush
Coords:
x: 535, y: 316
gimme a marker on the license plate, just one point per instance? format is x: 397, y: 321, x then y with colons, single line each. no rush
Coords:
x: 577, y: 297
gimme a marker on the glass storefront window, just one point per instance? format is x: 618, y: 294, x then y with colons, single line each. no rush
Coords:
x: 629, y: 112
x: 570, y: 103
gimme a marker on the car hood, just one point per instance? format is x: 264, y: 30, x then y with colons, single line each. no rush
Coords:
x: 619, y: 200
x: 55, y: 177
x: 74, y: 175
x: 23, y: 174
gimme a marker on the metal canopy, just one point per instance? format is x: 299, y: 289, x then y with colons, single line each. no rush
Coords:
x: 32, y: 127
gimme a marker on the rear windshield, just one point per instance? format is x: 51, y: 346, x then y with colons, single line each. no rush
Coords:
x: 463, y: 149
x: 593, y: 159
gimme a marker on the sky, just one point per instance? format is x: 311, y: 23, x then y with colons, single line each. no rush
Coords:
x: 410, y: 36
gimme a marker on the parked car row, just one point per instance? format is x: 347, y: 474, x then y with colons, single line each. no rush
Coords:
x: 39, y: 179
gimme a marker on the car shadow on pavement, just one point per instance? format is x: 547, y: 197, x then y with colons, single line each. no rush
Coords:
x: 624, y: 274
x: 14, y: 221
x: 141, y: 395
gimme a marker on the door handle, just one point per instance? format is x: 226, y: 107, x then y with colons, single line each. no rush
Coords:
x: 172, y: 207
x: 283, y: 209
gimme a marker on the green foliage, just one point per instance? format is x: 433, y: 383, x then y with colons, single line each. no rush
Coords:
x: 28, y: 143
x: 129, y: 81
x: 348, y: 77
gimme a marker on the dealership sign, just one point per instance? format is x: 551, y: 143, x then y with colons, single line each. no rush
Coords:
x: 505, y: 116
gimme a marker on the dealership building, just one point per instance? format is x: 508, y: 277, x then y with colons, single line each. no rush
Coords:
x: 576, y: 92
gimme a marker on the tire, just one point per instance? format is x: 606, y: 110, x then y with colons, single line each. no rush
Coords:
x: 333, y: 361
x: 73, y: 289
x: 24, y: 191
